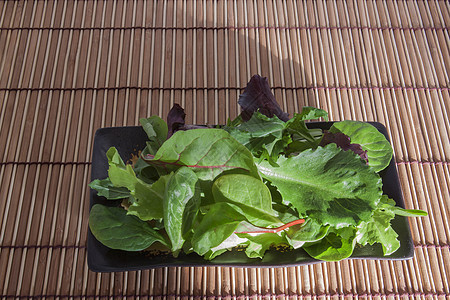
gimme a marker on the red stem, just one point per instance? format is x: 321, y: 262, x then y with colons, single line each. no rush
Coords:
x: 277, y: 229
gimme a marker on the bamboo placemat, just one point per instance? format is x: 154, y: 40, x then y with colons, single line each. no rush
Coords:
x: 68, y: 68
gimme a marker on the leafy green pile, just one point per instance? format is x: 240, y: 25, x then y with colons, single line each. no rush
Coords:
x: 262, y: 180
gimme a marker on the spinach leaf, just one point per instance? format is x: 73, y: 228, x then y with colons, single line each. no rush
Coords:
x: 117, y: 230
x: 379, y: 150
x: 248, y: 193
x: 181, y: 202
x: 208, y: 152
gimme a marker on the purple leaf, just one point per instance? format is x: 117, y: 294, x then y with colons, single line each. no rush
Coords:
x: 175, y: 119
x: 257, y: 96
x: 343, y: 142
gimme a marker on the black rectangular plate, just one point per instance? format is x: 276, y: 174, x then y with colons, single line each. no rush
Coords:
x: 129, y: 140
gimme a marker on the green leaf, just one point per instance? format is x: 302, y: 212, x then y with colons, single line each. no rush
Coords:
x: 233, y: 123
x: 409, y: 212
x: 258, y: 245
x: 389, y: 204
x: 122, y: 177
x: 250, y: 194
x: 157, y: 130
x: 312, y: 113
x: 260, y: 126
x: 310, y: 231
x: 208, y: 152
x: 114, y: 158
x: 181, y: 189
x: 216, y: 226
x: 379, y: 230
x: 145, y: 172
x: 149, y: 199
x: 285, y: 213
x: 337, y: 245
x: 328, y: 184
x: 297, y: 128
x: 262, y: 135
x: 105, y: 188
x: 232, y: 241
x: 379, y: 150
x: 117, y: 230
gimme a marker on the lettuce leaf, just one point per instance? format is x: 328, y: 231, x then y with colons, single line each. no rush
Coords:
x: 258, y: 96
x: 378, y: 229
x: 256, y: 246
x: 105, y: 188
x: 175, y: 119
x: 379, y: 150
x: 327, y: 184
x: 157, y: 132
x: 148, y: 204
x: 263, y: 136
x: 338, y: 244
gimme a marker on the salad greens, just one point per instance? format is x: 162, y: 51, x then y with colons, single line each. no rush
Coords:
x: 262, y: 180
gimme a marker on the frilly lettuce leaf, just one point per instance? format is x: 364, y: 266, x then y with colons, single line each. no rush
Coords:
x: 312, y: 113
x: 327, y: 184
x: 378, y: 229
x: 148, y: 204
